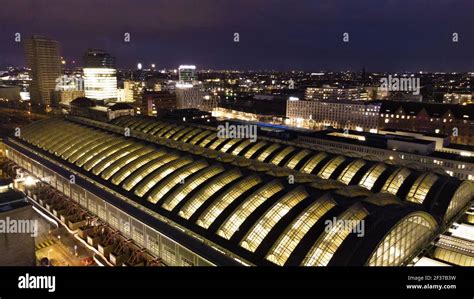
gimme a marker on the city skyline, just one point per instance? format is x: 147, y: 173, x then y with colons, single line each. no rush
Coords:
x: 308, y: 138
x: 383, y: 35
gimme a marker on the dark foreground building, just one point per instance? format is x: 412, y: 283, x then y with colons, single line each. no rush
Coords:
x: 192, y: 198
x: 17, y: 240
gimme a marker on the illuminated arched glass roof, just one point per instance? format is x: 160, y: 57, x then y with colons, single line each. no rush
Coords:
x: 252, y: 210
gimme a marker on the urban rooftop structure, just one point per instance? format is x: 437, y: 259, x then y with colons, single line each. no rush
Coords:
x: 205, y: 200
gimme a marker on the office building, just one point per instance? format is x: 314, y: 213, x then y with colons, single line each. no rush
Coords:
x: 350, y: 115
x: 65, y: 97
x: 43, y: 58
x: 187, y: 74
x: 374, y: 92
x: 97, y: 58
x: 157, y: 103
x: 458, y: 98
x: 335, y: 93
x: 260, y: 107
x: 189, y: 97
x: 100, y: 76
x: 189, y: 92
x: 133, y: 90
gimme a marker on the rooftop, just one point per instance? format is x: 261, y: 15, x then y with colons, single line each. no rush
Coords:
x: 12, y: 199
x: 244, y: 203
x: 433, y: 109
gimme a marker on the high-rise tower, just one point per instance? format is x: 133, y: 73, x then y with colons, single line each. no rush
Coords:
x: 43, y: 58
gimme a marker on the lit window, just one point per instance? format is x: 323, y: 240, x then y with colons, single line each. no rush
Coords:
x: 160, y: 190
x: 369, y: 179
x: 403, y: 241
x: 260, y: 230
x: 328, y: 242
x: 124, y: 161
x: 281, y: 155
x: 254, y: 149
x: 212, y: 212
x: 287, y: 242
x: 350, y: 171
x: 267, y: 152
x: 395, y: 181
x: 207, y: 191
x: 330, y: 167
x: 177, y: 196
x: 421, y: 187
x: 233, y: 222
x: 157, y: 175
x: 141, y: 173
x: 297, y: 158
x: 124, y: 172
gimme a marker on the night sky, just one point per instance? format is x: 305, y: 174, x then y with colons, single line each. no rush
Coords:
x: 385, y: 35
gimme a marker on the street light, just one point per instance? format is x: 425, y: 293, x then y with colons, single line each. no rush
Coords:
x: 75, y: 250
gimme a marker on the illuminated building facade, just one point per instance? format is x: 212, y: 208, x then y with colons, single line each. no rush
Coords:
x: 100, y: 76
x: 334, y: 93
x: 195, y: 199
x: 133, y: 90
x: 190, y: 97
x: 458, y: 98
x: 189, y: 94
x: 100, y: 84
x: 67, y: 96
x: 353, y: 115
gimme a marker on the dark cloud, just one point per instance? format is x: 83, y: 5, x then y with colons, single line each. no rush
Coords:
x: 274, y: 34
